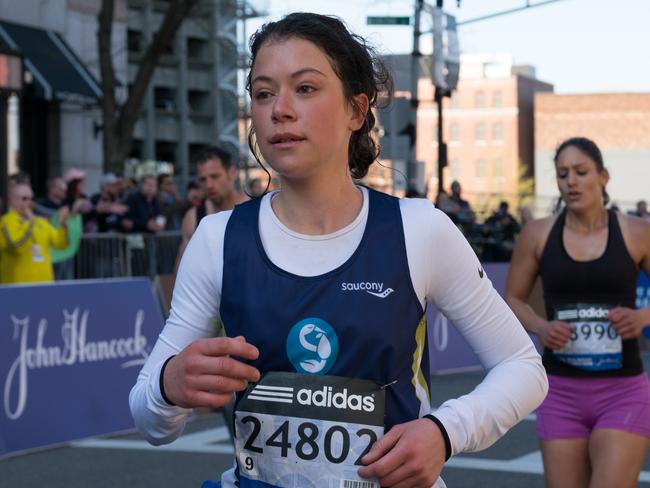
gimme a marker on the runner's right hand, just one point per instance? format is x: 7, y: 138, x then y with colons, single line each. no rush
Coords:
x: 205, y: 373
x: 555, y: 334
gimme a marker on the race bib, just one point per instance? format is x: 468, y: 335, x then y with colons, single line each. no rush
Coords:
x: 307, y: 431
x: 594, y: 345
x: 37, y: 254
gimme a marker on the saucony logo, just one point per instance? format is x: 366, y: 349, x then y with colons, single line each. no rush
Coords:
x: 372, y: 287
x: 383, y: 294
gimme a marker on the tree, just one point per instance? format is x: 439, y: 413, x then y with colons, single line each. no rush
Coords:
x: 119, y: 119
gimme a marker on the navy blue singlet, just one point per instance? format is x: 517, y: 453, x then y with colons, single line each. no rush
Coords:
x: 362, y: 319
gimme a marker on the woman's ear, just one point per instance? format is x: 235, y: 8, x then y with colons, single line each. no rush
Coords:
x: 359, y: 106
x: 604, y: 177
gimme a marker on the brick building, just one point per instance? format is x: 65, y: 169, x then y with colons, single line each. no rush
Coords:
x: 618, y: 122
x: 488, y: 126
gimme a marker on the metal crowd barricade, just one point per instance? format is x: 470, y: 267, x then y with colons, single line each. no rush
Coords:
x: 114, y: 255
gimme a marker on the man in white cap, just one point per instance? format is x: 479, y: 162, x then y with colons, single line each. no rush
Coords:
x: 108, y: 210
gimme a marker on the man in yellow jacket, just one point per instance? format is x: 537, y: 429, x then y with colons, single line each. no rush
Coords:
x: 25, y: 239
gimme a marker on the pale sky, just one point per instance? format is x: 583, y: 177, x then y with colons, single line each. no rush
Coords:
x: 580, y: 46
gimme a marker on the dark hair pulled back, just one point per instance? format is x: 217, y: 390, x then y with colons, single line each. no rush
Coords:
x: 354, y: 62
x: 591, y: 150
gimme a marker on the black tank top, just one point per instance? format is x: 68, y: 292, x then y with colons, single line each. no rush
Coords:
x: 609, y: 279
x: 201, y: 211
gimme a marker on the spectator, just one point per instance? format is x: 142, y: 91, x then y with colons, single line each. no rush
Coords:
x: 255, y: 188
x: 413, y: 193
x: 194, y: 195
x: 171, y: 204
x: 499, y: 231
x: 525, y: 215
x: 25, y: 239
x: 444, y: 203
x: 57, y: 191
x: 76, y: 200
x: 144, y: 216
x: 641, y: 210
x: 47, y: 207
x: 217, y: 175
x: 107, y: 209
x: 463, y: 209
x: 122, y: 186
x: 144, y: 209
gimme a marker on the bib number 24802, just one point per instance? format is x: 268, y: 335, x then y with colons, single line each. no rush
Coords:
x: 334, y: 444
x: 294, y: 430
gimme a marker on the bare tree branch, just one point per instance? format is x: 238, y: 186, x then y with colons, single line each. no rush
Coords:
x: 119, y: 121
x: 109, y: 104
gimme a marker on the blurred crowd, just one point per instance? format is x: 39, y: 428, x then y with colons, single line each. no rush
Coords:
x: 154, y: 204
x: 39, y: 237
x: 494, y: 238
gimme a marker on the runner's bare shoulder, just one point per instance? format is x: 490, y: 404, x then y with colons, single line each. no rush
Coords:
x: 535, y: 233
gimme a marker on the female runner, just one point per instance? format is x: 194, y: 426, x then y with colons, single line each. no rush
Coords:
x: 594, y: 424
x: 321, y: 287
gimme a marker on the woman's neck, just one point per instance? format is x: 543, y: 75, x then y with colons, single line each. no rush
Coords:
x: 317, y: 208
x: 587, y: 220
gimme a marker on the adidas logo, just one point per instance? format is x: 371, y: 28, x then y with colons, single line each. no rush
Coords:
x: 324, y: 397
x: 593, y: 313
x: 277, y: 394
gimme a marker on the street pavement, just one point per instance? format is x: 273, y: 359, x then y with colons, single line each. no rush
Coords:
x: 205, y: 450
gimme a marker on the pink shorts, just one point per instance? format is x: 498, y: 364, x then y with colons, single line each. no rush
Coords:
x: 574, y: 407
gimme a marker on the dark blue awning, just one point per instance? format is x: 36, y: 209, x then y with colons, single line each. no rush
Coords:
x: 56, y: 69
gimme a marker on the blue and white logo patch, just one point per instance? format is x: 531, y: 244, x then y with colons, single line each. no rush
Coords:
x: 312, y: 346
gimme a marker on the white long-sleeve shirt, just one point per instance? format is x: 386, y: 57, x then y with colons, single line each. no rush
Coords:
x: 444, y: 272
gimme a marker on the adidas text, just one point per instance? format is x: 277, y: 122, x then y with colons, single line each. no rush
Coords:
x: 325, y: 397
x: 593, y: 313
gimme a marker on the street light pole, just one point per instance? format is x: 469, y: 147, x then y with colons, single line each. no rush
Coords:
x: 442, y: 146
x: 411, y: 165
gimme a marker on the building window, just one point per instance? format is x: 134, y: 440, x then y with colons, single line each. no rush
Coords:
x: 454, y: 132
x: 479, y: 99
x: 134, y: 40
x: 198, y: 101
x: 497, y: 170
x: 198, y: 49
x: 480, y: 168
x: 497, y: 100
x: 136, y: 149
x: 454, y: 169
x: 164, y: 98
x: 497, y: 131
x: 166, y: 151
x: 480, y: 132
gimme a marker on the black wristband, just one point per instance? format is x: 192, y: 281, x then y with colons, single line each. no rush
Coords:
x: 161, y: 382
x: 445, y: 436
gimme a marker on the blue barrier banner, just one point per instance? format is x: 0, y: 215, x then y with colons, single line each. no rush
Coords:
x: 643, y: 291
x: 643, y: 297
x: 448, y: 350
x: 69, y: 355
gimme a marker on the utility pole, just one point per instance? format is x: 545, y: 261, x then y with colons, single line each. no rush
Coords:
x: 411, y: 165
x: 442, y: 146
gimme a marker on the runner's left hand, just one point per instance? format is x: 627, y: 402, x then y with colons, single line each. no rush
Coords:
x: 411, y: 454
x: 627, y: 322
